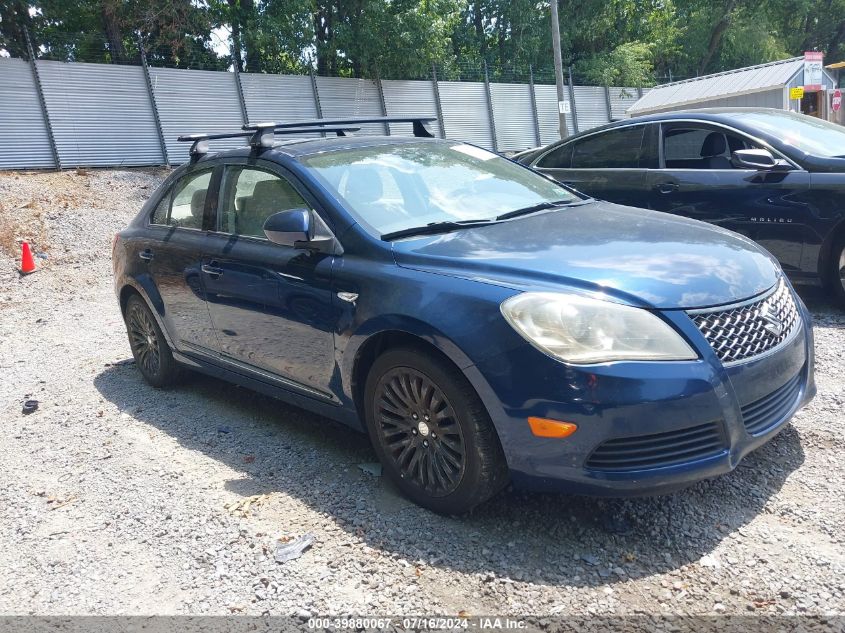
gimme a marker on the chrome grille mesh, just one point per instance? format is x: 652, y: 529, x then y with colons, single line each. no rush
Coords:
x: 743, y: 332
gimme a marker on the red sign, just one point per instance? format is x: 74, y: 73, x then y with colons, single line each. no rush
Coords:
x: 836, y: 103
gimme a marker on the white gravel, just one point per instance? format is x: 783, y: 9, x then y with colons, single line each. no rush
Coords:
x: 120, y: 499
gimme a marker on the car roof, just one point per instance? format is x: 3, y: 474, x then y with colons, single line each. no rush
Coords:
x: 725, y: 116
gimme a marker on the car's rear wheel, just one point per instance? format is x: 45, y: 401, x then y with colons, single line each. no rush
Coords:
x: 149, y: 348
x: 431, y: 432
x: 836, y: 274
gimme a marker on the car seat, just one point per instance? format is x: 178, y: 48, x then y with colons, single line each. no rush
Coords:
x: 713, y: 152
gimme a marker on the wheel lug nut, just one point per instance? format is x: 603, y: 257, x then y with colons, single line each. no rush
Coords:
x: 433, y: 434
x: 427, y: 418
x: 425, y: 443
x: 414, y: 431
x: 415, y: 416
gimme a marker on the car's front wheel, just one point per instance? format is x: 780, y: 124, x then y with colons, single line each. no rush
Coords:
x: 431, y: 432
x: 149, y: 348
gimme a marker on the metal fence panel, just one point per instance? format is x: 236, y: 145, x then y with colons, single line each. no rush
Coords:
x: 101, y: 115
x: 408, y: 98
x: 514, y: 117
x: 547, y: 114
x: 620, y: 100
x: 345, y: 97
x: 279, y: 98
x: 191, y: 101
x: 591, y: 107
x: 465, y: 113
x: 23, y: 135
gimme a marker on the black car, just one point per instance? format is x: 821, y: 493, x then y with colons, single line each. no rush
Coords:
x: 777, y: 177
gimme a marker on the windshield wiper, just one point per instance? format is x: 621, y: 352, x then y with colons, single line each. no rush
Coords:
x: 538, y: 207
x: 436, y: 227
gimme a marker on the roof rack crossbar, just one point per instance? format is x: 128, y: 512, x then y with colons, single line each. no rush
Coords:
x: 261, y: 135
x: 418, y: 123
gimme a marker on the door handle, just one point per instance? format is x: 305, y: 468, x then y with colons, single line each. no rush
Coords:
x: 146, y: 255
x: 212, y: 270
x: 667, y: 187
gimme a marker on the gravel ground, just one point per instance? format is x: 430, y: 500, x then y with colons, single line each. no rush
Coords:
x: 120, y: 499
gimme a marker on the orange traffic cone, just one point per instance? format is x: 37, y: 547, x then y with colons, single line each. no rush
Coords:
x: 27, y: 263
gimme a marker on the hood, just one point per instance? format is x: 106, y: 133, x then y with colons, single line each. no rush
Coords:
x: 636, y: 256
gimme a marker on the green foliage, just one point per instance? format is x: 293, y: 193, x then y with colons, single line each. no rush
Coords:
x: 629, y: 64
x: 610, y: 42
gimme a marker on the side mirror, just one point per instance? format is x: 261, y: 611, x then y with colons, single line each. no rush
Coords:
x: 759, y: 159
x: 289, y: 227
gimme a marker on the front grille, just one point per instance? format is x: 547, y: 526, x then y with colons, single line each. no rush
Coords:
x: 742, y: 332
x: 644, y: 452
x: 761, y: 415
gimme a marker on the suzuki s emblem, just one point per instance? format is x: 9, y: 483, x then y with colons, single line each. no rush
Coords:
x: 772, y: 325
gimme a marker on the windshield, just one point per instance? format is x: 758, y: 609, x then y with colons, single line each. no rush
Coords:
x: 391, y: 188
x: 804, y: 133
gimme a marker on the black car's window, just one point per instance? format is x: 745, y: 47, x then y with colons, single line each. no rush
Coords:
x: 188, y: 202
x: 250, y: 196
x: 700, y: 148
x: 614, y: 149
x: 162, y: 210
x: 559, y: 158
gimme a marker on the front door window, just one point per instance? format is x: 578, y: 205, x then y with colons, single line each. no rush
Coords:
x: 250, y: 197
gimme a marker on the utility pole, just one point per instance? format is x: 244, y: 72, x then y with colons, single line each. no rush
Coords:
x: 558, y: 69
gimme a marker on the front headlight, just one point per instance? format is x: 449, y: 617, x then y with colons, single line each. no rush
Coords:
x: 581, y: 330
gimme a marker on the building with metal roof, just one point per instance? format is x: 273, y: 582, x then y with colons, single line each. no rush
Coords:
x: 762, y: 86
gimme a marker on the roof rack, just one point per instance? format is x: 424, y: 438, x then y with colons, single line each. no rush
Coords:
x: 418, y: 123
x: 260, y: 135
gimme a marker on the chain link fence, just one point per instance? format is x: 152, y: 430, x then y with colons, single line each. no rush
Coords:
x: 128, y: 109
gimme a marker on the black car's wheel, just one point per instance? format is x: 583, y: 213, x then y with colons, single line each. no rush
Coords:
x: 151, y: 352
x: 432, y: 433
x: 836, y: 275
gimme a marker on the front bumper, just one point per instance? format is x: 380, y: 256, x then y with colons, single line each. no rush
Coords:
x: 643, y: 427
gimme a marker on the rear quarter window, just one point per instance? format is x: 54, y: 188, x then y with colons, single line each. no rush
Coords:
x: 161, y: 211
x: 615, y: 149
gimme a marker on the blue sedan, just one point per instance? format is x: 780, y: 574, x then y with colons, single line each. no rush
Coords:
x: 482, y: 323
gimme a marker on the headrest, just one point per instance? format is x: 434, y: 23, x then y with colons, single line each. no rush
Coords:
x: 198, y: 203
x: 714, y: 145
x: 363, y: 186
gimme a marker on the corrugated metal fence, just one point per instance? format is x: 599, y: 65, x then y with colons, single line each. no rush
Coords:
x: 79, y: 114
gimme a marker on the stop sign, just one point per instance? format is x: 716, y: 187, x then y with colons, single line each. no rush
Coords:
x: 837, y: 100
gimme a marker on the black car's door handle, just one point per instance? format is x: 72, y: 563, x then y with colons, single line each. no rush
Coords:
x: 212, y: 270
x: 666, y: 187
x: 146, y: 255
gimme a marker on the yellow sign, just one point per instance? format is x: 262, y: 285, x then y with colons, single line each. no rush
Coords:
x: 796, y: 93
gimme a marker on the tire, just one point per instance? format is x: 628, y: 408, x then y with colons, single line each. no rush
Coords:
x: 431, y: 432
x: 836, y: 272
x: 149, y: 348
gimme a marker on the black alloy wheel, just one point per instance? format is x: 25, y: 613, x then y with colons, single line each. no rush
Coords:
x: 431, y: 431
x: 149, y: 347
x: 143, y: 339
x: 418, y: 428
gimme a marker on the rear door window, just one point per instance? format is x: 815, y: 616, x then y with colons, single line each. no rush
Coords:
x: 614, y: 149
x: 184, y: 205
